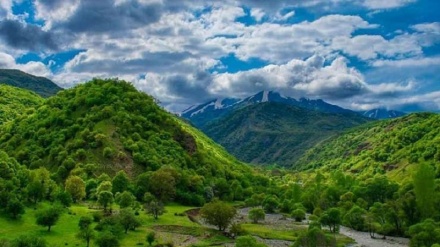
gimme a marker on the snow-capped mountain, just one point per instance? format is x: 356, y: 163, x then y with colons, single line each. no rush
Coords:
x: 201, y: 114
x: 382, y: 113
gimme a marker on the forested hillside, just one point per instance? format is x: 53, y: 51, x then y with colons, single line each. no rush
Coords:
x: 390, y: 146
x: 276, y: 133
x: 40, y: 85
x: 15, y: 101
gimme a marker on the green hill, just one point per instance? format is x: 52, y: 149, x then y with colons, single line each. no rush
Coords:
x: 39, y: 85
x: 390, y: 146
x: 15, y: 101
x: 107, y: 126
x: 269, y: 133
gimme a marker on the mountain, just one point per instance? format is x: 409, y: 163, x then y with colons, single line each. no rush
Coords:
x: 39, y: 85
x: 273, y: 132
x: 16, y: 101
x: 381, y: 113
x: 107, y: 126
x: 201, y: 115
x: 387, y: 146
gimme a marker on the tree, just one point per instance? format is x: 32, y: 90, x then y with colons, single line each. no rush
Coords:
x: 48, y: 217
x: 85, y: 221
x: 248, y: 241
x: 107, y: 239
x: 332, y: 219
x: 355, y: 218
x: 15, y: 208
x: 424, y: 189
x: 128, y: 220
x: 125, y: 199
x: 155, y: 208
x: 218, y: 213
x: 120, y: 182
x: 105, y: 198
x: 86, y: 234
x: 256, y: 214
x: 270, y: 204
x: 28, y: 241
x: 162, y: 185
x: 76, y: 187
x: 151, y: 236
x: 299, y: 214
x: 426, y: 233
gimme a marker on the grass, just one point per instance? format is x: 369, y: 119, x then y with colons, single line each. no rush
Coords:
x: 266, y: 232
x: 63, y: 233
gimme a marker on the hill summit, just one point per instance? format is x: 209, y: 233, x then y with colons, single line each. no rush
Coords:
x: 40, y: 85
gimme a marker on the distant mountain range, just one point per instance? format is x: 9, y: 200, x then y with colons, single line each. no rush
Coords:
x: 269, y: 128
x: 382, y: 113
x: 40, y: 85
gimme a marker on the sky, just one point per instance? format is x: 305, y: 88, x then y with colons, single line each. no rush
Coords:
x: 359, y: 54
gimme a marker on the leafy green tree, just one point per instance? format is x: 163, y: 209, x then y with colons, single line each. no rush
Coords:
x: 104, y: 186
x: 314, y: 237
x: 426, y: 233
x: 87, y: 234
x: 48, y: 217
x: 379, y: 213
x: 84, y: 222
x: 355, y: 218
x: 248, y: 241
x: 162, y: 185
x: 218, y: 213
x: 125, y: 199
x: 64, y: 198
x: 270, y: 204
x: 76, y: 187
x: 155, y: 208
x: 28, y: 241
x: 105, y: 199
x: 332, y: 219
x: 256, y: 214
x: 424, y: 189
x: 128, y: 220
x: 15, y: 208
x: 107, y: 239
x: 151, y: 236
x: 299, y: 214
x: 120, y: 182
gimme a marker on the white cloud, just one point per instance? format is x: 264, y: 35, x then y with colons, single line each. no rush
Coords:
x: 409, y: 62
x: 34, y: 68
x: 258, y: 14
x: 386, y: 4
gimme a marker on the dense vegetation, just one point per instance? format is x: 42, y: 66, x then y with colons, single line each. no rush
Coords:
x: 15, y: 101
x: 276, y: 133
x: 40, y: 85
x: 102, y: 165
x: 394, y: 147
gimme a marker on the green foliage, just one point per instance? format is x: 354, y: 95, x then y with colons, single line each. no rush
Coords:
x: 273, y: 133
x: 15, y: 208
x: 424, y: 189
x: 105, y: 199
x: 125, y: 199
x: 355, y: 218
x: 314, y: 237
x: 256, y: 214
x: 218, y: 213
x: 389, y: 146
x: 155, y: 208
x: 299, y: 214
x: 151, y: 236
x: 15, y: 102
x: 270, y: 204
x: 426, y: 233
x: 128, y: 220
x: 28, y: 241
x: 48, y: 217
x: 248, y: 241
x: 76, y: 188
x: 332, y: 219
x: 107, y: 239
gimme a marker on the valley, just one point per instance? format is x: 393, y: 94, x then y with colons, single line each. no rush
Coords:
x: 89, y: 166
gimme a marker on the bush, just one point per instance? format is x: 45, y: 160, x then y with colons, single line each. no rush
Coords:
x: 299, y: 215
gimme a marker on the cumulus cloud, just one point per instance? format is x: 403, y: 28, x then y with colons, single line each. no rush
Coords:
x: 26, y: 36
x: 34, y: 68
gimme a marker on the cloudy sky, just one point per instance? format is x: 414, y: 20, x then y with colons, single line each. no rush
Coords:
x: 359, y: 54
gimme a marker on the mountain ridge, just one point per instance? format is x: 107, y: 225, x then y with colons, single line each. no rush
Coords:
x: 40, y: 85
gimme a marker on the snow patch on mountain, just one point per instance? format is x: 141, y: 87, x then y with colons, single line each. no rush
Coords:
x: 265, y: 96
x: 203, y: 109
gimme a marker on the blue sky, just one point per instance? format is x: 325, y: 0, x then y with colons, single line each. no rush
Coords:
x: 359, y: 54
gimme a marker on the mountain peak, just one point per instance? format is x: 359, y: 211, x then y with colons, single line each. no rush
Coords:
x: 40, y: 85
